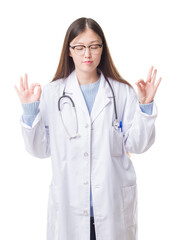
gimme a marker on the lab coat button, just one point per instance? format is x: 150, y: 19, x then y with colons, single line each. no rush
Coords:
x: 86, y: 154
x: 87, y: 125
x: 86, y: 183
x: 85, y: 213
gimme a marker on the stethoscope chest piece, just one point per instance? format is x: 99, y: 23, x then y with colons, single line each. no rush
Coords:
x: 116, y: 124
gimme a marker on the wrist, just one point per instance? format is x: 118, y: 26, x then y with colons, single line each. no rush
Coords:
x: 144, y: 101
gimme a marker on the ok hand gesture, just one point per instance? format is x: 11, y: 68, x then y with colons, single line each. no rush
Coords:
x: 147, y: 90
x: 26, y: 94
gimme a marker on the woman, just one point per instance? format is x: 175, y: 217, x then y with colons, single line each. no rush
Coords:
x: 88, y: 119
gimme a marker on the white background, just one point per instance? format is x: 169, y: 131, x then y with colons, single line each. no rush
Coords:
x: 139, y: 34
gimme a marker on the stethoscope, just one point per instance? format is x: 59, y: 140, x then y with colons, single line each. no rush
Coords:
x: 116, y: 124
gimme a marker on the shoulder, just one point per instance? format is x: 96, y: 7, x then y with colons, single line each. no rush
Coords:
x: 52, y: 87
x: 123, y: 89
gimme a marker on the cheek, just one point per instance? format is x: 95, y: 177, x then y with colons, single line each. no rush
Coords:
x: 76, y: 60
x: 98, y: 59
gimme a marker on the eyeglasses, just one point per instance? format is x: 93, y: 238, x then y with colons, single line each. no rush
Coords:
x: 80, y: 49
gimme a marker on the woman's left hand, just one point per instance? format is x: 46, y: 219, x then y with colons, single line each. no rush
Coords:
x: 147, y: 90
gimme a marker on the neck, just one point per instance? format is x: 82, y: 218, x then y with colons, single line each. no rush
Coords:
x: 87, y: 77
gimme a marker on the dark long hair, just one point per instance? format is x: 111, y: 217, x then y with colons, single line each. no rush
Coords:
x: 66, y: 64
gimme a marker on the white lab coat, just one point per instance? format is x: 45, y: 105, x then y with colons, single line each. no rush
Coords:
x: 100, y: 151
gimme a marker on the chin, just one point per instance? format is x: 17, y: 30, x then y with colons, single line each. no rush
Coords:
x: 89, y: 69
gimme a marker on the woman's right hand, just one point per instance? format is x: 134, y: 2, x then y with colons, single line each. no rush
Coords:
x: 26, y: 94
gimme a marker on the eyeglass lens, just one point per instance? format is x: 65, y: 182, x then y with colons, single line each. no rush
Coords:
x: 94, y: 49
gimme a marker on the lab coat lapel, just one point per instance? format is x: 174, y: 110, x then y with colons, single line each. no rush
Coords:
x: 103, y: 97
x: 73, y: 90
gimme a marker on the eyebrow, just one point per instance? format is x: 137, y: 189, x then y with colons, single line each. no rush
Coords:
x: 90, y: 42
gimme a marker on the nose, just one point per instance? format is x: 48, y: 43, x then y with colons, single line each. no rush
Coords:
x: 87, y: 52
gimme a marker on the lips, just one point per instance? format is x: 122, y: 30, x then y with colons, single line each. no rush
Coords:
x: 88, y: 62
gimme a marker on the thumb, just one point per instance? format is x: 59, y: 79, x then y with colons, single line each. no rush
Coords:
x: 33, y: 86
x: 140, y: 84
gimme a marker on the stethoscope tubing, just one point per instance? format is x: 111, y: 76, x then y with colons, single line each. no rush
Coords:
x: 115, y: 109
x: 115, y: 123
x: 64, y: 96
x: 73, y: 104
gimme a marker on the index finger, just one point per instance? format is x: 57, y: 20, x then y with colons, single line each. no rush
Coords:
x: 33, y: 86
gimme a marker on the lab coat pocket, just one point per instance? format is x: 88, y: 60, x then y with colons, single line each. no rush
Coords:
x: 130, y: 205
x: 117, y: 142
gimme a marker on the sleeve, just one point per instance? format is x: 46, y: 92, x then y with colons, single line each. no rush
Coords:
x: 138, y: 126
x: 36, y: 137
x: 30, y: 111
x: 147, y: 108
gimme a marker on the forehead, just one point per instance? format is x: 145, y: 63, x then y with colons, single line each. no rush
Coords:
x: 87, y: 37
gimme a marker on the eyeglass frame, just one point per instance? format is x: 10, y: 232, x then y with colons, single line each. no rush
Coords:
x: 73, y: 47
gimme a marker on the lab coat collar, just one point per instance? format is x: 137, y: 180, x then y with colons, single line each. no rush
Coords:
x: 103, y: 96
